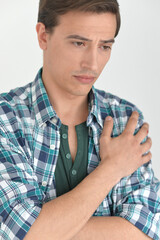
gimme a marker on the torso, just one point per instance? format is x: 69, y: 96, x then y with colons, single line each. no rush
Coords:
x: 72, y: 135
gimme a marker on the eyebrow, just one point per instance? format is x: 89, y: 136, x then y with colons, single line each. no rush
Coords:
x: 89, y: 40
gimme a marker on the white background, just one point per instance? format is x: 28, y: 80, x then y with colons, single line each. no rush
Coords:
x: 133, y: 72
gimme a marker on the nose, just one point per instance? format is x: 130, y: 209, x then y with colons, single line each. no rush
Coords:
x: 90, y: 60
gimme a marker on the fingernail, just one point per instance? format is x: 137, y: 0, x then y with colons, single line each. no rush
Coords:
x: 108, y: 118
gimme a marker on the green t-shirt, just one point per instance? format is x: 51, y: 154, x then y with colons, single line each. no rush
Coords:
x: 67, y: 174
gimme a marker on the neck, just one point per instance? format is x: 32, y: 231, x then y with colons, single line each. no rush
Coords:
x: 71, y: 109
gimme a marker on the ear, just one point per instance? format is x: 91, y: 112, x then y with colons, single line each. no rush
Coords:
x: 41, y: 35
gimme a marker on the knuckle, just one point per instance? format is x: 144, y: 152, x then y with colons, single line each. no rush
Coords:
x: 144, y: 130
x: 135, y: 114
x: 139, y: 152
x: 133, y: 118
x: 149, y: 140
x: 146, y: 126
x: 136, y: 142
x: 148, y: 144
x: 103, y: 139
x: 127, y: 135
x: 149, y: 156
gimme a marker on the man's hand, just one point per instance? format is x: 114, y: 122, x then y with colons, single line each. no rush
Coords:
x: 125, y: 153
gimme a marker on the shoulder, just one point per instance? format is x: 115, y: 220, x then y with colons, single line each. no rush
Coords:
x: 14, y: 108
x: 119, y: 108
x: 15, y: 97
x: 107, y: 99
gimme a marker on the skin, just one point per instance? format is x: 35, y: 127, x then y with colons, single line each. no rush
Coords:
x: 62, y: 60
x: 65, y: 57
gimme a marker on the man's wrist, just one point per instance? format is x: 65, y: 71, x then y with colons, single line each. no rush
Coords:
x: 109, y: 171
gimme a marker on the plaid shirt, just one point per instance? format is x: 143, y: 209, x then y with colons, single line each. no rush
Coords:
x: 29, y: 147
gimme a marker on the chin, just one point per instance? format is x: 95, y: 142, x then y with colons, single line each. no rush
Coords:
x: 81, y: 92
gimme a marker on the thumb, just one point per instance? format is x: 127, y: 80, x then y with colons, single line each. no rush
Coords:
x: 108, y: 126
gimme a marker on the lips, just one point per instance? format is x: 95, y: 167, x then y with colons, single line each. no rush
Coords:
x: 85, y: 79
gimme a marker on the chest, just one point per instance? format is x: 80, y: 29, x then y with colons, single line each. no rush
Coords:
x: 45, y: 152
x: 72, y: 141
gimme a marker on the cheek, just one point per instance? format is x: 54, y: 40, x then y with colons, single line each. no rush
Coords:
x: 103, y: 61
x: 107, y: 57
x: 64, y: 59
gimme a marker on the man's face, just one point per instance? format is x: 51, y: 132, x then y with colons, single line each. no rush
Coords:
x: 78, y: 50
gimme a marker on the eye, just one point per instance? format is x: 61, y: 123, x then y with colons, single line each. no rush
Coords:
x: 78, y: 44
x: 106, y: 48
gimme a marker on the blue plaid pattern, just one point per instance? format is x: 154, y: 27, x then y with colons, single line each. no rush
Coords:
x: 29, y: 147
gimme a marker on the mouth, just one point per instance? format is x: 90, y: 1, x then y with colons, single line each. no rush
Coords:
x: 85, y: 79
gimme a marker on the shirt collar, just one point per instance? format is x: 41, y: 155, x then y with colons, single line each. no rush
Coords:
x: 44, y: 111
x: 94, y: 108
x: 41, y: 104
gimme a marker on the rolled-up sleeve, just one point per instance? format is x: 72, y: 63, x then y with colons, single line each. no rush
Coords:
x: 136, y: 198
x: 138, y: 202
x: 20, y: 196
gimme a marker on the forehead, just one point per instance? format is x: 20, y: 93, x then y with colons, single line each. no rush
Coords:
x: 91, y: 23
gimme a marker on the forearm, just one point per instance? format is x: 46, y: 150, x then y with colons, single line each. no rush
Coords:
x: 63, y: 217
x: 107, y: 228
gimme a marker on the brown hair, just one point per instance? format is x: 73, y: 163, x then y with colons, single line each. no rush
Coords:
x: 50, y: 10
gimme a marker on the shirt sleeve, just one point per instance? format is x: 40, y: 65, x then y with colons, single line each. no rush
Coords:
x: 136, y: 198
x: 20, y: 196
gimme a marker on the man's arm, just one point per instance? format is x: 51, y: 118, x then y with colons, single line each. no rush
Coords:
x: 65, y: 216
x: 109, y: 228
x: 138, y: 203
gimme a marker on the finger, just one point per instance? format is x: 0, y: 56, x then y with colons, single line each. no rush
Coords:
x: 142, y: 133
x: 132, y: 123
x: 108, y: 126
x: 146, y: 158
x: 146, y: 146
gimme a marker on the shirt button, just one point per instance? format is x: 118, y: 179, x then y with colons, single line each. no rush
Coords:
x: 54, y: 120
x: 68, y: 155
x: 52, y: 147
x: 64, y: 136
x: 44, y: 183
x: 74, y: 172
x: 44, y: 125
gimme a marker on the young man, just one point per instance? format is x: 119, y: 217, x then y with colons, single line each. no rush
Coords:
x: 74, y: 160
